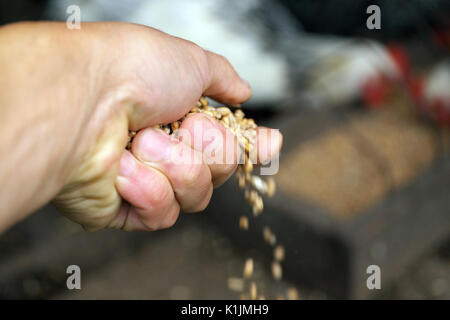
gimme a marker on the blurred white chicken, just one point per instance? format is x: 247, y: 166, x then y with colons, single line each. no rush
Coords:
x: 263, y: 42
x: 198, y: 21
x: 432, y: 93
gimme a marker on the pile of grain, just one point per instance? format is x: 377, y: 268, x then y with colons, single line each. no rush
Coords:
x: 348, y: 168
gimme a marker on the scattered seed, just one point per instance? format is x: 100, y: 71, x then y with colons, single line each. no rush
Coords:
x: 293, y: 294
x: 248, y: 148
x: 131, y: 135
x: 271, y: 187
x: 253, y: 291
x: 196, y: 109
x: 236, y: 284
x: 269, y: 236
x: 250, y: 196
x: 226, y: 122
x: 239, y: 114
x: 248, y: 268
x: 243, y: 222
x: 241, y: 180
x: 278, y: 253
x: 248, y: 166
x: 203, y: 102
x: 175, y: 125
x: 273, y: 239
x: 224, y: 111
x: 258, y: 206
x: 259, y: 184
x: 209, y: 113
x: 277, y: 271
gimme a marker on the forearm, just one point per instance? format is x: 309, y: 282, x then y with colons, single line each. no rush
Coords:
x: 39, y: 131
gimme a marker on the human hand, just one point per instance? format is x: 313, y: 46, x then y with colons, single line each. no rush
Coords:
x: 127, y: 77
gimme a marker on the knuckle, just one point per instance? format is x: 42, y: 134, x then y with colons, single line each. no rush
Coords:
x: 201, y: 59
x: 206, y: 199
x: 195, y: 174
x: 198, y: 53
x: 224, y: 60
x: 224, y: 170
x: 202, y: 200
x: 161, y: 197
x: 170, y: 218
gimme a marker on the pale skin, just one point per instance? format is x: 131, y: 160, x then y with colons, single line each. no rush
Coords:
x: 67, y: 101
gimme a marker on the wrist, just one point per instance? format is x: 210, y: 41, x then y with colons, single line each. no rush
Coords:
x: 47, y: 100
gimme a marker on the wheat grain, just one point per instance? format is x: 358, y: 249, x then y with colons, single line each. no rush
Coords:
x: 255, y: 187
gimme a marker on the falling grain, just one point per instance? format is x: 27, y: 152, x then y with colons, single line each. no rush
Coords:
x: 243, y: 223
x: 248, y: 268
x: 277, y: 271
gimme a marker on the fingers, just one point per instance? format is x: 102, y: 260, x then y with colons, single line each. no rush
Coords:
x: 268, y: 145
x: 189, y: 176
x: 165, y: 174
x: 218, y: 145
x: 153, y: 203
x: 224, y: 84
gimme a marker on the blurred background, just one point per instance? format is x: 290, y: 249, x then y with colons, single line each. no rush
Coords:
x: 364, y: 173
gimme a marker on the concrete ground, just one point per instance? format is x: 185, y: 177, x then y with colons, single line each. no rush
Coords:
x: 193, y: 260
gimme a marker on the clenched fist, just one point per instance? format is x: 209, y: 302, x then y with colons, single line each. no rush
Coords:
x: 68, y: 99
